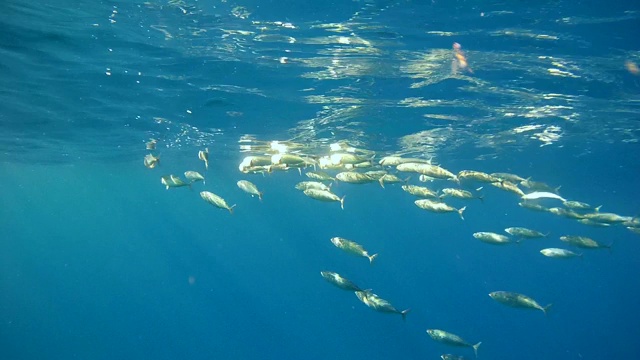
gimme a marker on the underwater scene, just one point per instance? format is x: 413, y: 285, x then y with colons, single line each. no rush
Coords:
x: 348, y: 179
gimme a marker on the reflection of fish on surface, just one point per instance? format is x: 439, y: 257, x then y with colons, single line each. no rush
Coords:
x: 459, y: 62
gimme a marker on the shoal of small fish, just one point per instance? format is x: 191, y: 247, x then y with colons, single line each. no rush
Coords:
x: 344, y: 163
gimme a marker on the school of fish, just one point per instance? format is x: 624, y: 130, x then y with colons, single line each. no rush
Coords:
x: 344, y: 163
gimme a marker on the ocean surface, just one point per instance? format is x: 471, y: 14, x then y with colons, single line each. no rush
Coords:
x: 98, y: 260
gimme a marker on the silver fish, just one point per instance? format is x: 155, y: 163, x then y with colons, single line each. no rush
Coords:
x: 216, y: 200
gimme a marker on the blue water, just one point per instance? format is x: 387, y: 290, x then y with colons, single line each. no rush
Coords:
x: 99, y: 261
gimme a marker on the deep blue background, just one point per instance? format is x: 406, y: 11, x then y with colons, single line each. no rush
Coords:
x: 96, y: 256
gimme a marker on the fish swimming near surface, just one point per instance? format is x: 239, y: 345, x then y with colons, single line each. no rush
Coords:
x: 542, y: 195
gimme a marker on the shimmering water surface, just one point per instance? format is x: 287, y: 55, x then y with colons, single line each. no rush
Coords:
x: 100, y: 261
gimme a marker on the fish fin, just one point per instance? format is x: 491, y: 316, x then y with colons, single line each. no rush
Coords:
x: 475, y: 348
x: 597, y: 209
x: 481, y: 198
x: 372, y: 257
x: 231, y: 208
x: 546, y: 308
x: 381, y: 182
x: 404, y: 314
x: 300, y: 171
x: 462, y: 209
x: 557, y: 190
x: 342, y: 202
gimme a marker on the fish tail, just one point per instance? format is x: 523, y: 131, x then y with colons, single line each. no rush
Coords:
x: 481, y: 198
x: 381, y: 182
x: 406, y: 181
x: 260, y: 196
x: 372, y: 257
x: 461, y: 211
x: 475, y: 348
x: 404, y: 314
x: 231, y: 208
x: 342, y: 202
x: 597, y: 209
x: 300, y: 171
x: 546, y: 308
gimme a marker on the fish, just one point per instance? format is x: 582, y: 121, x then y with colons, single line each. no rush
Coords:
x: 451, y: 357
x: 508, y: 177
x: 438, y: 207
x: 492, y: 238
x: 379, y: 304
x: 151, y: 144
x: 204, y: 156
x: 419, y: 191
x: 584, y: 242
x: 559, y: 253
x: 339, y: 281
x: 434, y: 171
x: 524, y: 232
x: 347, y: 159
x: 352, y: 247
x: 593, y: 223
x: 353, y: 177
x: 578, y: 205
x: 249, y: 188
x: 323, y: 195
x: 538, y: 186
x: 451, y: 339
x: 508, y: 186
x: 607, y: 217
x: 173, y: 181
x: 542, y: 195
x: 287, y: 159
x: 533, y: 206
x: 391, y: 179
x: 397, y: 160
x: 320, y: 176
x: 517, y: 300
x: 216, y: 200
x: 304, y: 185
x: 151, y: 161
x: 459, y: 193
x: 194, y: 176
x: 477, y: 176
